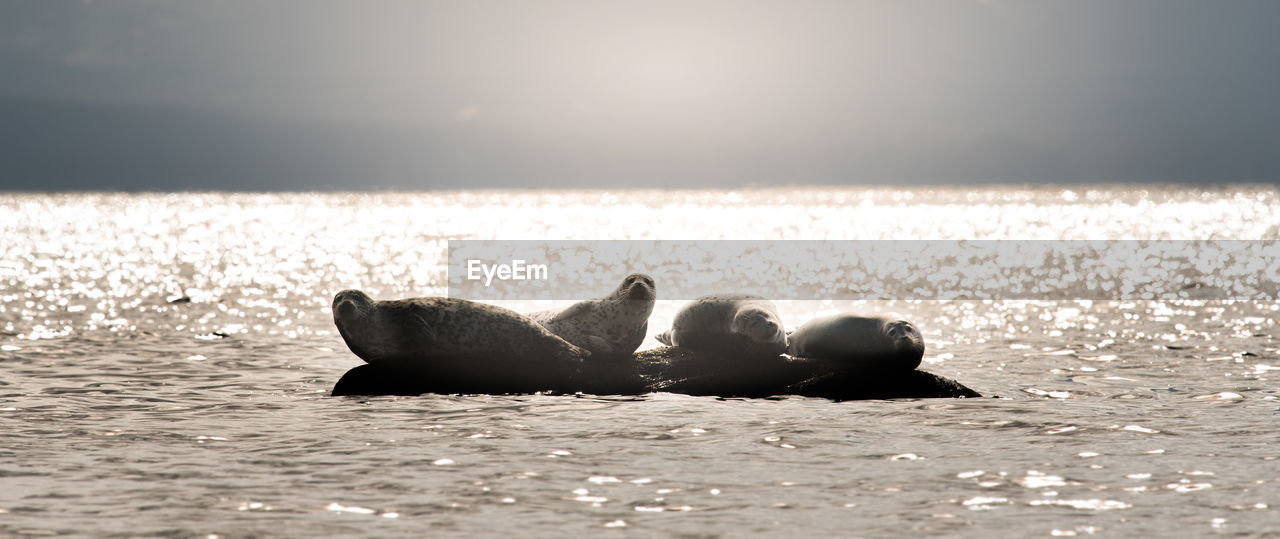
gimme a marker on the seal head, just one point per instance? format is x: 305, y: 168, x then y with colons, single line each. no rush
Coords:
x: 366, y: 333
x: 636, y: 287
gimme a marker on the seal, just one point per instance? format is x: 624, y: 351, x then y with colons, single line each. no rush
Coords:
x: 729, y: 325
x: 612, y: 326
x: 875, y: 343
x: 468, y: 344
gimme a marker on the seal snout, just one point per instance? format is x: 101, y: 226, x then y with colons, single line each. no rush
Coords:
x: 904, y: 335
x: 348, y: 303
x: 638, y: 286
x: 761, y: 329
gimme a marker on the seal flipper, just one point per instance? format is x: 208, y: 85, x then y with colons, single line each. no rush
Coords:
x: 565, y: 351
x: 420, y: 330
x: 597, y: 345
x: 664, y: 338
x: 567, y: 365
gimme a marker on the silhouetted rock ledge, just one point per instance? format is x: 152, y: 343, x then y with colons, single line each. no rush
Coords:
x: 672, y: 370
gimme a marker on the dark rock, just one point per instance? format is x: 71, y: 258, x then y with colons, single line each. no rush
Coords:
x: 673, y: 370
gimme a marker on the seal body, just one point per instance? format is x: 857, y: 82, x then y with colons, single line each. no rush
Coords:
x: 877, y: 343
x: 454, y: 340
x: 612, y: 326
x: 725, y: 325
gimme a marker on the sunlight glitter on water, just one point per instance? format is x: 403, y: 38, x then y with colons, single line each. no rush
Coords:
x: 1091, y: 504
x: 108, y: 411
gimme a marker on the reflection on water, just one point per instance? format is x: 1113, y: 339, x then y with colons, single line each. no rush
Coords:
x: 165, y: 362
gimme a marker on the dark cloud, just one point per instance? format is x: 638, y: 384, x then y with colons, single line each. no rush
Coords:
x: 293, y: 94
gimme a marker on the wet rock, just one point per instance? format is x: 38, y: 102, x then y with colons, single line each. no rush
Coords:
x: 677, y: 370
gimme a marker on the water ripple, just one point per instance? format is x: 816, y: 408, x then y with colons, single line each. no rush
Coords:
x: 165, y: 361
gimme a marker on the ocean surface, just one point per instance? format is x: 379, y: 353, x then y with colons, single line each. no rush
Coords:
x: 166, y: 359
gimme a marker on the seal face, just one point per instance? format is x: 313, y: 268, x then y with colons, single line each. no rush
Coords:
x: 446, y: 336
x: 871, y: 342
x: 742, y: 325
x: 611, y: 326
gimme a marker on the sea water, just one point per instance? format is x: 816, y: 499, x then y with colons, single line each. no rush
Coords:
x: 165, y: 363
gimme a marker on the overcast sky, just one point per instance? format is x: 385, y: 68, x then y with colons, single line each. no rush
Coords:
x: 311, y: 94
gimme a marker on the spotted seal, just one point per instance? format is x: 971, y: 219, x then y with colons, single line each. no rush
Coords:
x: 460, y: 340
x: 611, y: 326
x: 871, y: 342
x: 740, y: 325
